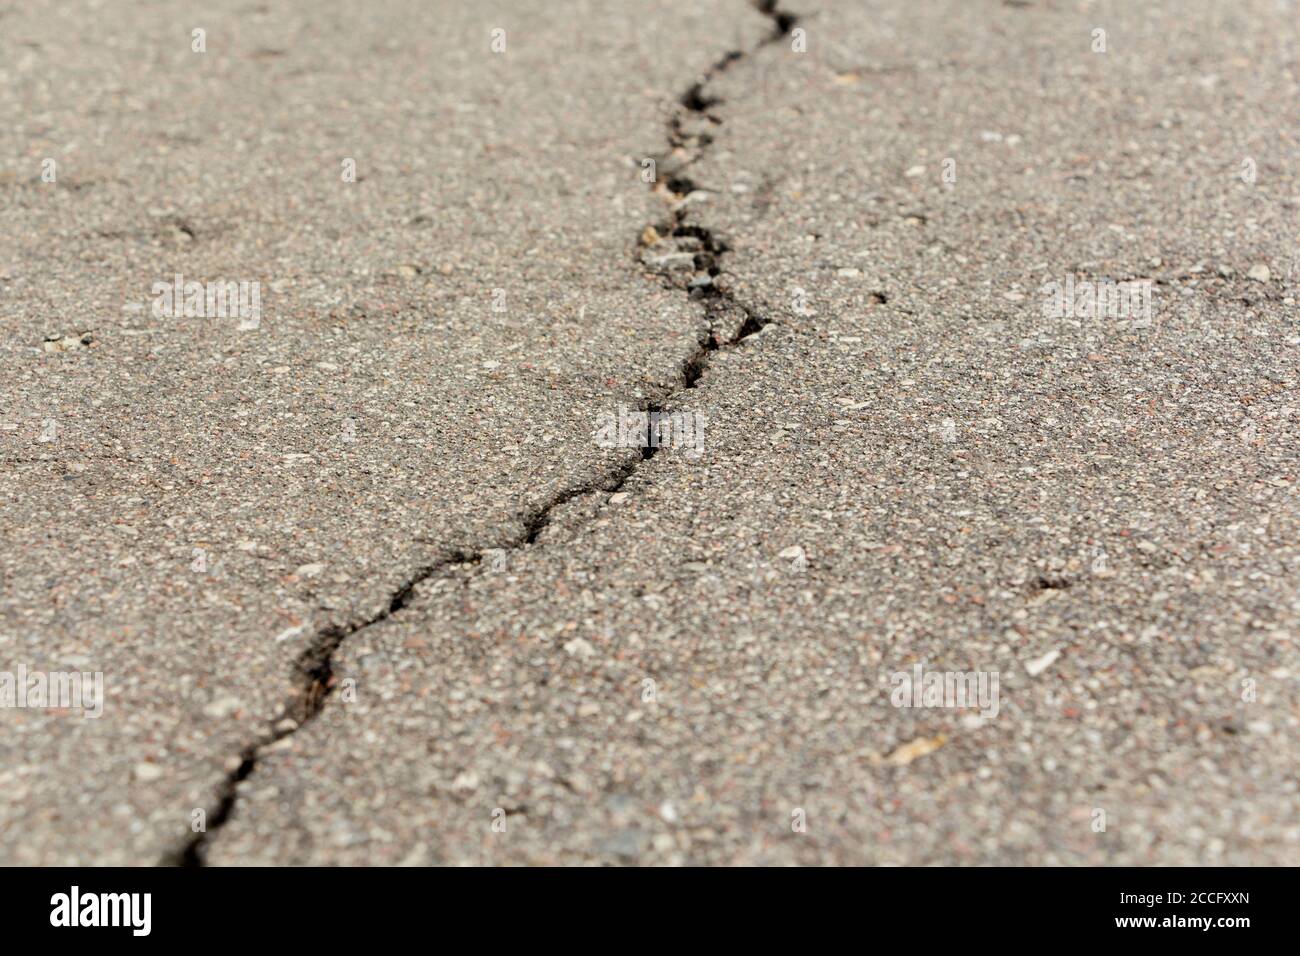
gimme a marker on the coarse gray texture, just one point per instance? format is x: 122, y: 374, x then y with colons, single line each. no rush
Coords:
x: 186, y: 504
x: 905, y: 462
x: 909, y: 464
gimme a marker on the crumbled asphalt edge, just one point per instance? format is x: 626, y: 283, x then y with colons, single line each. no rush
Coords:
x: 314, y: 668
x: 681, y: 235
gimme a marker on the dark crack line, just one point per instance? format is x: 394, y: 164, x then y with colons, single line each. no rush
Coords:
x: 705, y: 248
x: 314, y: 667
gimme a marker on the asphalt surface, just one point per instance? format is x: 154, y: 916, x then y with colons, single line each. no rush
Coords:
x: 438, y: 620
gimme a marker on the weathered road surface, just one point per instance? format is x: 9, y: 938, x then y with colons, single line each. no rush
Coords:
x: 364, y: 585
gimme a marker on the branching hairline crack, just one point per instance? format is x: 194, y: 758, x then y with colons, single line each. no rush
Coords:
x: 314, y: 667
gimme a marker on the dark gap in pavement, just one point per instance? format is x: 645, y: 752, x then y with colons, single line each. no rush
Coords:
x: 1046, y: 582
x: 314, y: 669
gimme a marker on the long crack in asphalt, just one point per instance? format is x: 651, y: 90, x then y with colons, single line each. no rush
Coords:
x: 674, y: 240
